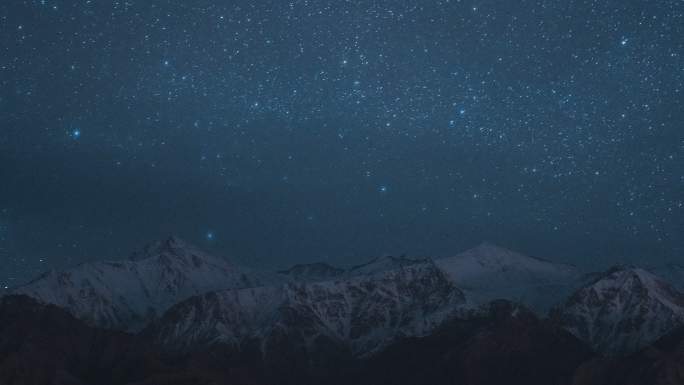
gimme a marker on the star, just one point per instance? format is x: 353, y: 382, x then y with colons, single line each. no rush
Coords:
x: 335, y: 108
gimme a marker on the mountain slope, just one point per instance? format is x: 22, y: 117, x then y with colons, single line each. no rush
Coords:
x: 484, y: 273
x: 45, y: 345
x: 128, y: 294
x: 623, y: 311
x: 357, y: 314
x: 661, y: 363
x: 489, y: 272
x: 502, y: 343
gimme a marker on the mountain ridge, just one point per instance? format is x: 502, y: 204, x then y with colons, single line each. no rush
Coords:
x: 385, y: 321
x: 128, y: 294
x: 360, y: 313
x: 622, y: 310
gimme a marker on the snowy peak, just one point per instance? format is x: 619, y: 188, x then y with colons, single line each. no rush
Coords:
x: 626, y: 283
x: 634, y: 281
x: 622, y: 311
x: 494, y: 257
x: 487, y: 250
x: 128, y: 294
x: 174, y: 247
x: 169, y: 245
x: 489, y: 272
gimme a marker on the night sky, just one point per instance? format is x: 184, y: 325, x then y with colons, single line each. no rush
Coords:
x: 279, y: 131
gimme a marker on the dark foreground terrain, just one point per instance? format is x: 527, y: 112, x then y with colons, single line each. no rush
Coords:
x: 42, y: 344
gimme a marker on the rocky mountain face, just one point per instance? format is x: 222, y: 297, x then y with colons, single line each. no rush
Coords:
x: 489, y: 272
x: 43, y: 344
x: 499, y: 343
x: 661, y: 363
x: 484, y: 273
x: 128, y: 294
x: 357, y: 314
x: 623, y: 311
x: 131, y: 293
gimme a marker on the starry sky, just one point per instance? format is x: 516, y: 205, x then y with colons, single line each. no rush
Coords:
x: 283, y: 131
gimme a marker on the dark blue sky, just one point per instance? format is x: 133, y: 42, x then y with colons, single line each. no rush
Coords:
x: 292, y: 131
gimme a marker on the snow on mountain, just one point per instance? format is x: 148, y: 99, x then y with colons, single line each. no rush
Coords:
x: 361, y: 313
x: 128, y: 294
x: 623, y: 311
x: 484, y: 273
x: 489, y: 272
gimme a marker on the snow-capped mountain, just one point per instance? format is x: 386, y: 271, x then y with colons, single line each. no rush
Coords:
x: 358, y: 314
x: 484, y: 273
x: 128, y: 294
x: 489, y: 272
x: 623, y: 311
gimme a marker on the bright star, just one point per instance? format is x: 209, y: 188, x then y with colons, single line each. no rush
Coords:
x: 210, y: 236
x: 76, y: 133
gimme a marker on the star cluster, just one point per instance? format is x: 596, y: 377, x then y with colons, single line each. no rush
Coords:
x: 283, y: 131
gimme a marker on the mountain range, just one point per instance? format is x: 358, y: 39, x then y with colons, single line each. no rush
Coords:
x: 622, y: 311
x: 173, y: 314
x: 130, y: 293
